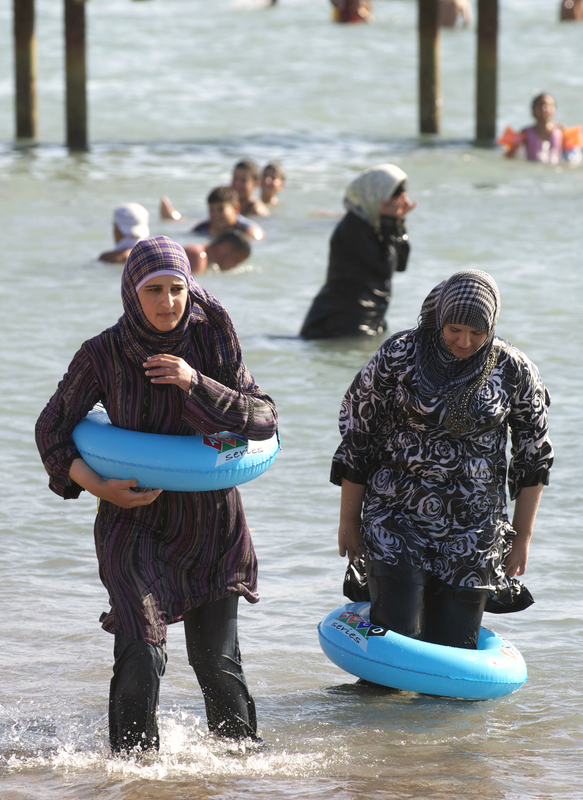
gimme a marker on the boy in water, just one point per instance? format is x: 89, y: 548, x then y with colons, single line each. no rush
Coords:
x: 224, y: 215
x: 130, y: 225
x: 272, y: 182
x: 226, y: 251
x: 245, y: 180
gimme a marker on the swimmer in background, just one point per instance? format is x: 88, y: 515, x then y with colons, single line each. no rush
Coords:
x: 449, y: 11
x: 130, y: 225
x: 224, y: 215
x: 351, y: 10
x: 244, y: 181
x: 272, y: 182
x: 571, y: 10
x: 225, y: 252
x: 543, y: 141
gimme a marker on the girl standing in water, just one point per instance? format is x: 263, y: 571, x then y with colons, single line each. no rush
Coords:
x: 172, y: 364
x: 423, y: 470
x: 543, y: 141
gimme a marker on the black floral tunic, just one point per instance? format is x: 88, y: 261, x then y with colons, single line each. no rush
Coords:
x: 434, y: 499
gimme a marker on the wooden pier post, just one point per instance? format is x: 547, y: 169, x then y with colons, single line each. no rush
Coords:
x: 429, y: 77
x: 76, y: 74
x: 25, y: 69
x: 487, y: 71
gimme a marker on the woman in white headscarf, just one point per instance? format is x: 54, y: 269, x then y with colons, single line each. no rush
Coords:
x: 130, y: 226
x: 367, y: 246
x: 423, y: 467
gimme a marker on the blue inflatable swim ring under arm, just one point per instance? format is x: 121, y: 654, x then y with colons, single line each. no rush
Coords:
x: 387, y: 658
x: 172, y: 463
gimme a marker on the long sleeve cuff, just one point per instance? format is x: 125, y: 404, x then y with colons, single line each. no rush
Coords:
x: 340, y: 470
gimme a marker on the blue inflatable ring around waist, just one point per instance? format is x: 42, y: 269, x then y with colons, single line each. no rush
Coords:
x: 367, y: 651
x: 173, y: 463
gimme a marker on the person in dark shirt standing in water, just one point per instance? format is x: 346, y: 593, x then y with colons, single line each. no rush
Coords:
x: 369, y: 243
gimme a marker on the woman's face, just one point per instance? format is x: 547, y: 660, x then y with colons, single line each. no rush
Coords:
x: 463, y: 340
x: 163, y: 300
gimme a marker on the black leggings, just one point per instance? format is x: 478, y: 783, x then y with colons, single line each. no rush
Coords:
x: 416, y: 604
x: 213, y: 652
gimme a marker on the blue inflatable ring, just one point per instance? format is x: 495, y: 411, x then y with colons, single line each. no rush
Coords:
x: 494, y: 670
x: 173, y: 463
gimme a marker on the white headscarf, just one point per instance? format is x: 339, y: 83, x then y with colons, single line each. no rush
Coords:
x: 366, y: 193
x: 132, y: 220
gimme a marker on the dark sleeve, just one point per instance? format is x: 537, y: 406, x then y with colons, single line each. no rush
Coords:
x: 227, y: 399
x: 213, y: 407
x: 359, y: 252
x: 76, y: 395
x: 394, y: 232
x: 364, y: 410
x: 532, y: 451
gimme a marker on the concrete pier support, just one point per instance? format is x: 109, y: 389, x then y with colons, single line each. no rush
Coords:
x: 76, y: 74
x: 429, y: 72
x: 487, y: 71
x: 25, y: 69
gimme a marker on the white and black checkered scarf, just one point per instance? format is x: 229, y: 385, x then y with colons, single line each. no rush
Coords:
x: 469, y: 297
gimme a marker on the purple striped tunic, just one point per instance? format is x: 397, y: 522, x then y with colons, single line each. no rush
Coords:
x: 186, y: 548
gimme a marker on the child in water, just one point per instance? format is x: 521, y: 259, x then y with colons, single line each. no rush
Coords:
x: 547, y: 141
x: 351, y: 10
x: 224, y: 215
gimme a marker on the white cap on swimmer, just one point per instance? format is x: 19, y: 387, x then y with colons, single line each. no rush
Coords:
x: 132, y: 219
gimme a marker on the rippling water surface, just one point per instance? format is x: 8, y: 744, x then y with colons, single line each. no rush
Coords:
x: 179, y: 90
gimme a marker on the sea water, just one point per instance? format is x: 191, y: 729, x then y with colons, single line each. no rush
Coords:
x: 178, y: 91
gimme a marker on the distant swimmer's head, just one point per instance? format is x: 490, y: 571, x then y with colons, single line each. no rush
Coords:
x: 272, y: 182
x: 224, y: 206
x: 544, y: 107
x: 245, y: 179
x: 366, y: 194
x: 131, y: 222
x: 228, y: 250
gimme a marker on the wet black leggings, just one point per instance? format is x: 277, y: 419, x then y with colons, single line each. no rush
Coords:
x: 213, y: 652
x: 416, y: 604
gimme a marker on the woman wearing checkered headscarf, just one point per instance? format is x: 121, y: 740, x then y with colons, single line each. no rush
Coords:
x: 169, y: 556
x: 423, y: 467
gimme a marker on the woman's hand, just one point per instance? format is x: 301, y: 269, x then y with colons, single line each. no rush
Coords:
x: 518, y: 557
x: 398, y: 206
x: 350, y: 540
x: 169, y: 369
x: 120, y: 493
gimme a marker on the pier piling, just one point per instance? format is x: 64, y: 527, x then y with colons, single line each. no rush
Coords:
x: 486, y: 71
x: 429, y: 73
x: 25, y: 69
x: 76, y: 74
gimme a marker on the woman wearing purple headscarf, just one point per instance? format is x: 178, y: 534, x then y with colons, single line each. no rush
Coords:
x: 423, y: 467
x: 172, y: 364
